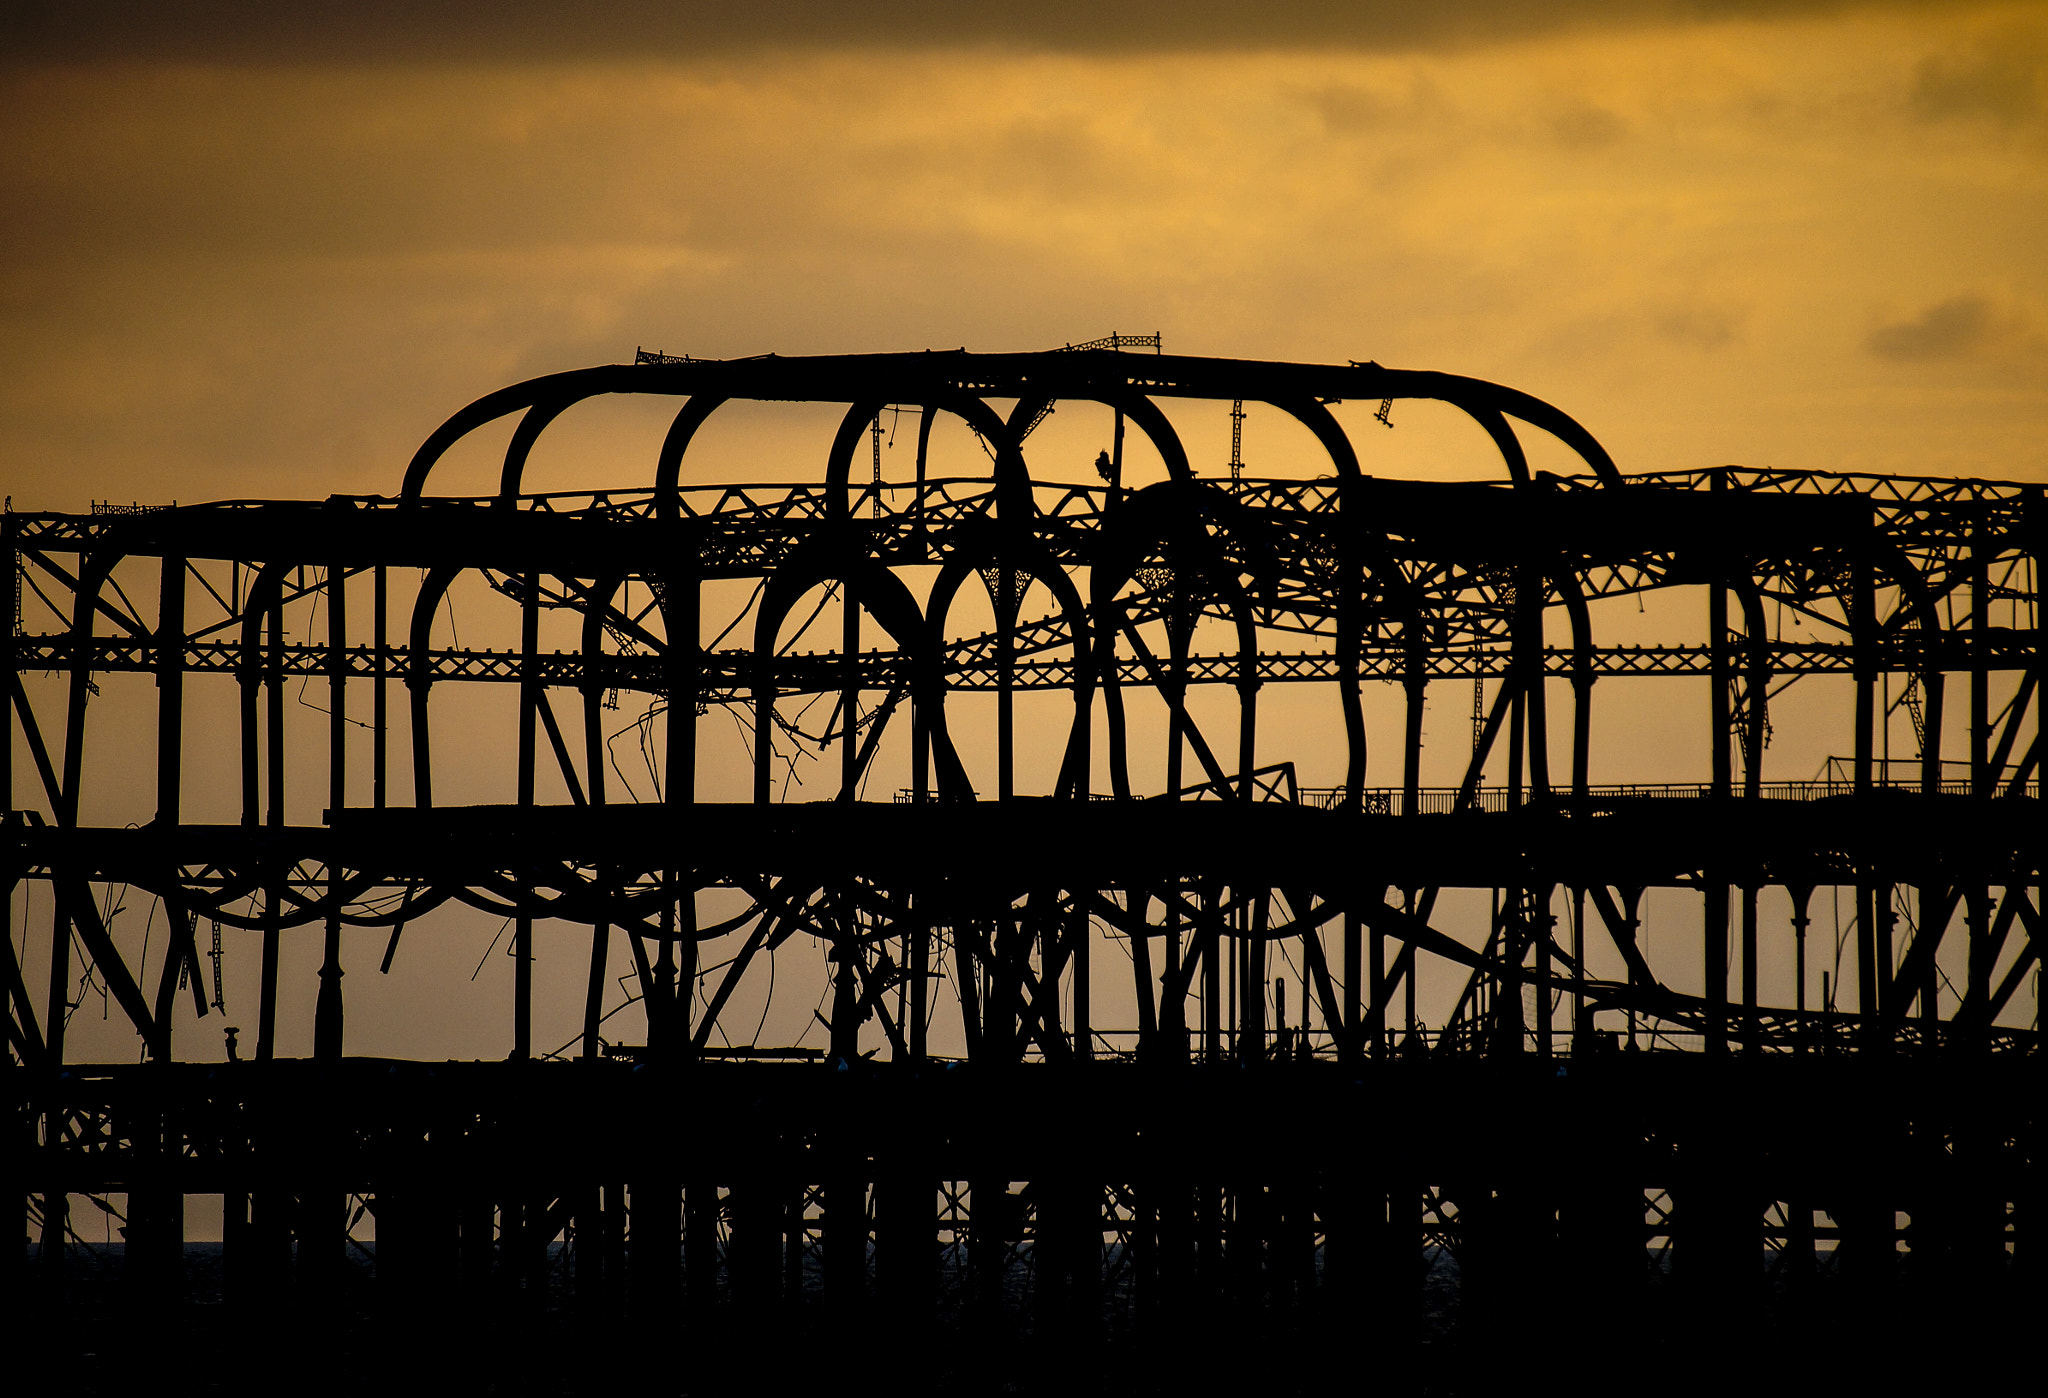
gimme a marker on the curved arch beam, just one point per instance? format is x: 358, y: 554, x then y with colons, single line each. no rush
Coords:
x: 1152, y: 422
x: 835, y: 557
x: 421, y: 680
x: 1478, y: 398
x: 564, y: 389
x: 668, y: 466
x: 1026, y: 554
x: 523, y: 437
x: 1012, y: 478
x: 1504, y: 440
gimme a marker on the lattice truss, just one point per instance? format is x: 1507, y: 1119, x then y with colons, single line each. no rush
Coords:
x: 730, y: 617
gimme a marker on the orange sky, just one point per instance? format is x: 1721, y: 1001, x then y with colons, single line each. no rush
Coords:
x: 247, y: 256
x: 247, y: 253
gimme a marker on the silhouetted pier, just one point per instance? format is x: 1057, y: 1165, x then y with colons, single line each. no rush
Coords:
x: 1187, y: 1081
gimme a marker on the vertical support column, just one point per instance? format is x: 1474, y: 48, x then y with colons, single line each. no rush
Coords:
x: 921, y: 746
x: 15, y: 1165
x: 170, y: 680
x: 327, y: 1011
x: 1253, y: 979
x: 1416, y: 686
x: 1863, y: 642
x: 1180, y: 623
x: 270, y: 586
x: 1080, y: 938
x: 849, y: 697
x: 1375, y: 991
x: 593, y: 994
x: 1509, y: 1021
x: 918, y: 938
x: 1714, y: 939
x: 1212, y: 994
x: 1541, y: 923
x: 10, y: 596
x: 1800, y: 894
x: 1350, y: 622
x: 1247, y: 731
x: 1983, y: 950
x: 1749, y: 970
x: 56, y: 1200
x: 594, y: 781
x: 682, y: 614
x: 1006, y: 680
x: 156, y: 1200
x: 1582, y: 1019
x: 156, y: 1208
x: 700, y: 1242
x: 1516, y: 714
x: 380, y: 711
x: 1530, y: 589
x: 656, y: 1230
x: 1353, y: 1047
x: 1173, y: 1008
x: 682, y: 603
x: 662, y: 1032
x: 906, y: 1234
x: 529, y: 716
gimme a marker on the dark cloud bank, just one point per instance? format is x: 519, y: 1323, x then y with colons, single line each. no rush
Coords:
x: 36, y: 31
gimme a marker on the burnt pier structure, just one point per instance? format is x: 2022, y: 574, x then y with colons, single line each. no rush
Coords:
x: 1188, y: 1052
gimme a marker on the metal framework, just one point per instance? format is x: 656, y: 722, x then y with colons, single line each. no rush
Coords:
x: 1175, y: 876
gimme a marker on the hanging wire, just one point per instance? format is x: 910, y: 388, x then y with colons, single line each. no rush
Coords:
x: 489, y: 949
